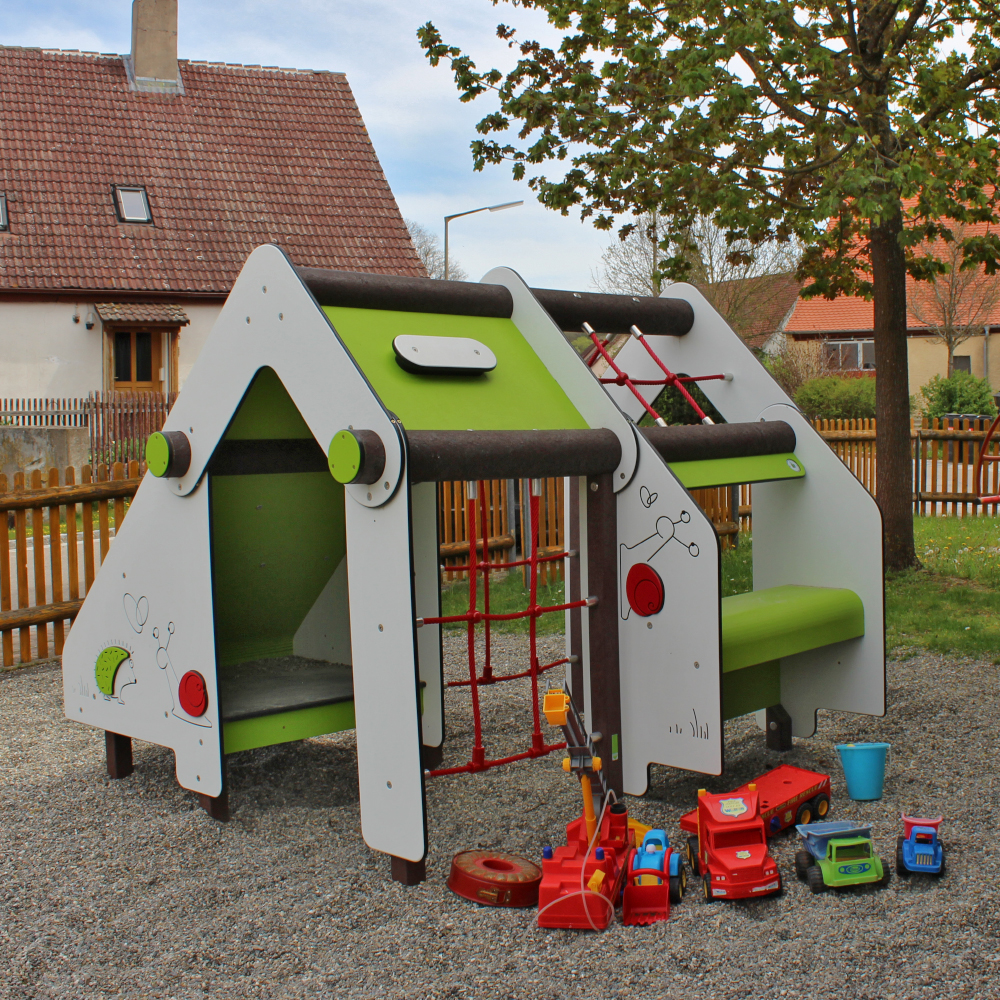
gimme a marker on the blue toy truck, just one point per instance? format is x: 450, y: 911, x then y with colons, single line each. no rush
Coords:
x: 919, y: 849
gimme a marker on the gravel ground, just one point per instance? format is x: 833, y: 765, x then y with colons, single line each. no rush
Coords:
x: 126, y: 889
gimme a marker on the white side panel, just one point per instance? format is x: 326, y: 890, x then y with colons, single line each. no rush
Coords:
x: 824, y: 530
x: 270, y: 319
x: 558, y: 356
x: 385, y: 677
x: 427, y: 584
x: 153, y: 597
x: 325, y: 633
x: 670, y: 661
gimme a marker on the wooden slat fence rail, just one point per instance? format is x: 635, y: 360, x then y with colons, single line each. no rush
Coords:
x: 56, y: 550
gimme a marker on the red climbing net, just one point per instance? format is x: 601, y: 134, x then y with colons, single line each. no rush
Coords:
x: 476, y: 512
x: 669, y: 378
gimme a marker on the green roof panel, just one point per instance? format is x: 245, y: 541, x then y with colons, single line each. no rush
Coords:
x: 519, y: 394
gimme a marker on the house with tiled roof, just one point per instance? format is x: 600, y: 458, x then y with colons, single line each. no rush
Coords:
x: 132, y: 189
x: 844, y: 327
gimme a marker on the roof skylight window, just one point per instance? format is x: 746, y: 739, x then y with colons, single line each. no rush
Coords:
x: 3, y: 213
x: 131, y: 204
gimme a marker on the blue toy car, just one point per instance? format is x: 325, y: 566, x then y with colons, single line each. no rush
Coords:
x: 651, y: 854
x: 919, y: 849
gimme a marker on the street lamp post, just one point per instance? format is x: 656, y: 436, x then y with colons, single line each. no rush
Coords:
x: 458, y: 215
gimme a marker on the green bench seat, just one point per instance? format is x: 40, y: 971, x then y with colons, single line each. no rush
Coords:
x: 761, y: 627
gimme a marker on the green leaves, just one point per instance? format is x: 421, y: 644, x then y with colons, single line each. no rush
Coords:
x: 770, y: 117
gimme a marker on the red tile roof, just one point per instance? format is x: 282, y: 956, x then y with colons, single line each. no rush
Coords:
x: 248, y: 155
x: 848, y: 314
x: 142, y: 312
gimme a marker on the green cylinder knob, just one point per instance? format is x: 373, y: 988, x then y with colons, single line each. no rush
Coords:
x: 168, y: 454
x: 356, y: 457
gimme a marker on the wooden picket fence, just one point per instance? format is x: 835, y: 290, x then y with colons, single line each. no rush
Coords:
x: 43, y: 582
x: 67, y: 518
x: 118, y: 422
x: 945, y: 452
x: 43, y: 412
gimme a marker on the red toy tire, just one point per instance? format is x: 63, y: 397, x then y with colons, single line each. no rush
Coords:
x: 192, y: 693
x: 644, y: 590
x: 493, y: 878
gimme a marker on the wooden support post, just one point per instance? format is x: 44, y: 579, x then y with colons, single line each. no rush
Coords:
x: 218, y: 807
x: 119, y: 753
x: 779, y: 728
x: 408, y: 872
x: 573, y: 591
x: 605, y: 683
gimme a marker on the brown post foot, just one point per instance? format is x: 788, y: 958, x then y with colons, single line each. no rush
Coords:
x: 408, y: 872
x: 217, y: 808
x: 119, y: 751
x: 779, y: 728
x: 431, y: 757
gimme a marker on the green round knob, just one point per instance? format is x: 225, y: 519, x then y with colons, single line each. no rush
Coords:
x: 157, y: 454
x: 345, y: 457
x: 168, y: 453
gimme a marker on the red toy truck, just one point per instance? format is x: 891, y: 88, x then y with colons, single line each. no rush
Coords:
x: 730, y: 851
x: 787, y: 796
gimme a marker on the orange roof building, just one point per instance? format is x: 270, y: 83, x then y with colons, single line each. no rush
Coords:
x: 846, y: 324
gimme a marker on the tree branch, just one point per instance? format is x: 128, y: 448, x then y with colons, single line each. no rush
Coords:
x: 772, y: 95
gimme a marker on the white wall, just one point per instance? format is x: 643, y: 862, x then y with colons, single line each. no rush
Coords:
x: 194, y: 335
x: 43, y: 353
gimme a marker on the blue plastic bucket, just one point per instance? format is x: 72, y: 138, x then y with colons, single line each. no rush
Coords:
x: 864, y: 768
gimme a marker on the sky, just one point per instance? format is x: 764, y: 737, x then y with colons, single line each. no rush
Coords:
x: 420, y: 128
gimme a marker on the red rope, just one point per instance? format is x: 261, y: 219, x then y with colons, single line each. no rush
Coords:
x: 495, y: 678
x: 669, y: 379
x: 474, y: 616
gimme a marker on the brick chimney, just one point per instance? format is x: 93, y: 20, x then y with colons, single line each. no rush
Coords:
x: 152, y: 65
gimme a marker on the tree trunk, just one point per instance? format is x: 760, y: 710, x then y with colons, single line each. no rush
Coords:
x: 894, y: 466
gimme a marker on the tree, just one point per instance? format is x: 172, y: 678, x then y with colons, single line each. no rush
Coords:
x: 957, y: 304
x: 857, y: 128
x: 742, y: 292
x: 428, y: 248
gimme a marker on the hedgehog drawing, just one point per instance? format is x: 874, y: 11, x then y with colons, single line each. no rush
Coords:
x: 114, y: 672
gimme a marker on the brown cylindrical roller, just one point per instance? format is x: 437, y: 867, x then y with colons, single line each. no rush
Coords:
x: 372, y: 457
x: 437, y: 456
x: 616, y: 313
x: 392, y: 291
x: 569, y: 310
x: 700, y: 441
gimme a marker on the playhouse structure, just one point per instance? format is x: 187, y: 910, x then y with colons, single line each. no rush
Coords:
x: 277, y: 575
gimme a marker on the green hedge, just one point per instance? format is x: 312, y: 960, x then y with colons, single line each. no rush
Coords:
x: 962, y: 393
x: 836, y: 398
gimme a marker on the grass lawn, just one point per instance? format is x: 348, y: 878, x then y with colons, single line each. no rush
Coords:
x: 952, y: 605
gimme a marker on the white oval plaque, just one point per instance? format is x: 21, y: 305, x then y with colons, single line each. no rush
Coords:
x: 443, y: 355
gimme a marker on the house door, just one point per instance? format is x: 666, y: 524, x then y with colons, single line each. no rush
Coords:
x: 137, y: 360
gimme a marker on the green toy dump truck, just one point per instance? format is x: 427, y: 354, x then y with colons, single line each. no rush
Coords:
x: 837, y: 855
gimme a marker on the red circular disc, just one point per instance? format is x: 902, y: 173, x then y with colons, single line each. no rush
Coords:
x: 193, y: 694
x: 644, y: 590
x: 494, y: 878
